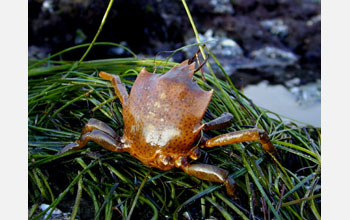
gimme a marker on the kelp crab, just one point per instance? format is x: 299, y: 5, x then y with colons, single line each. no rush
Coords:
x: 162, y: 124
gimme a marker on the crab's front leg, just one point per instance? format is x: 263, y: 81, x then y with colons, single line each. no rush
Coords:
x: 118, y: 86
x: 98, y: 132
x: 210, y: 173
x: 254, y: 134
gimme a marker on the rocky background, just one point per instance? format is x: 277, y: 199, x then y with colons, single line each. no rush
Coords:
x: 274, y: 40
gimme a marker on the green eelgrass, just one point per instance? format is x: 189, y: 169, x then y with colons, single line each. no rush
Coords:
x: 60, y: 101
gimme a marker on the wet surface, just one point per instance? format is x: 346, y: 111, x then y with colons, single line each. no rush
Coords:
x: 280, y: 100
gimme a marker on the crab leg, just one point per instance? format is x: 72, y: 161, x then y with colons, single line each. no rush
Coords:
x: 98, y: 132
x: 212, y: 174
x: 224, y: 121
x: 254, y: 134
x: 94, y: 124
x: 119, y: 87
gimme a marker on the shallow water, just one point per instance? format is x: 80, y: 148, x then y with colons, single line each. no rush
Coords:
x: 280, y: 100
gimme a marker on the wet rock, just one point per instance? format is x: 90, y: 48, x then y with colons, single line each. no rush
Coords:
x: 247, y: 32
x: 304, y: 39
x: 48, y: 6
x: 307, y: 95
x: 274, y: 56
x: 119, y: 50
x: 293, y: 82
x: 276, y: 27
x: 312, y: 43
x: 224, y: 49
x: 273, y: 63
x: 35, y: 52
x: 222, y: 6
x: 56, y: 213
x: 211, y: 7
x: 267, y: 62
x: 244, y: 6
x: 314, y: 20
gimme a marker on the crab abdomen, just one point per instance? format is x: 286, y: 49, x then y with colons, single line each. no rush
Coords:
x: 164, y: 112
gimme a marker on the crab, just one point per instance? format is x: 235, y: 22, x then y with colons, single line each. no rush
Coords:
x: 163, y: 124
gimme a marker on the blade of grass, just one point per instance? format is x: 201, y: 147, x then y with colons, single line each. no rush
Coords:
x: 223, y: 211
x: 94, y: 199
x: 301, y: 200
x: 98, y: 32
x: 80, y: 46
x: 70, y: 102
x: 40, y: 185
x: 77, y: 199
x: 107, y: 200
x: 138, y: 194
x: 83, y: 165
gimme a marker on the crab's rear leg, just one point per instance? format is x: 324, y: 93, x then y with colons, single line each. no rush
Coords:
x: 212, y: 174
x: 119, y: 87
x: 98, y: 132
x: 253, y: 134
